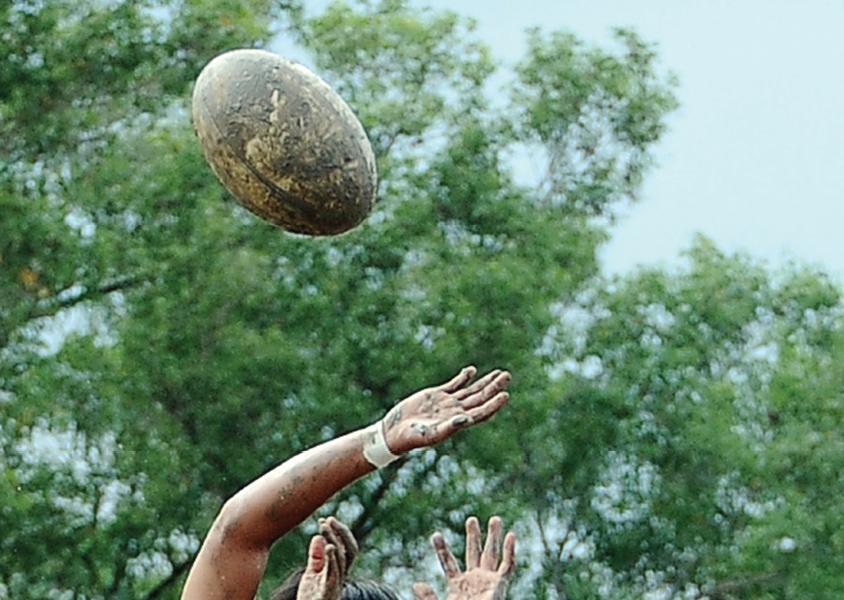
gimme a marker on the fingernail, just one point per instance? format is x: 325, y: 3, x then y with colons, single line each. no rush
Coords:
x: 461, y: 420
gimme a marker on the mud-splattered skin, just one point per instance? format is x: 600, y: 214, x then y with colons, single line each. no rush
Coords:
x: 431, y: 415
x: 233, y: 556
x: 283, y: 143
x: 330, y: 556
x: 488, y: 571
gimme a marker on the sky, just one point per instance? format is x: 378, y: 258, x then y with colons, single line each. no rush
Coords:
x: 754, y: 157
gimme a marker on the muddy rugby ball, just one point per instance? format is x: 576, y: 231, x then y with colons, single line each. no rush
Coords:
x: 285, y: 145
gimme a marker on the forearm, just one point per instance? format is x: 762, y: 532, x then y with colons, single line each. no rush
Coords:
x: 278, y: 501
x: 232, y: 559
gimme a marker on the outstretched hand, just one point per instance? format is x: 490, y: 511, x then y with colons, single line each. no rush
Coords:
x: 484, y: 578
x: 330, y: 556
x: 434, y: 414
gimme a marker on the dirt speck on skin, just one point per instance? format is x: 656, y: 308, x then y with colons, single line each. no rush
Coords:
x: 421, y: 428
x: 283, y: 143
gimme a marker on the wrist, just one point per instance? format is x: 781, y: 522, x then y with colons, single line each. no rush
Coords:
x: 375, y: 448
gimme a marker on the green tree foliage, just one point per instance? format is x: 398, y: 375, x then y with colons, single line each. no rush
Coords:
x: 594, y: 115
x: 160, y: 347
x: 697, y: 487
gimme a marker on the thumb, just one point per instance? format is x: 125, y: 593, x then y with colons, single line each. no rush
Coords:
x: 423, y: 591
x: 316, y: 555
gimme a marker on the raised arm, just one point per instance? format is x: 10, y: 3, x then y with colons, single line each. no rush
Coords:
x: 231, y: 561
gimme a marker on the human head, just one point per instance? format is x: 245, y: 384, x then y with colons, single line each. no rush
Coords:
x: 352, y: 589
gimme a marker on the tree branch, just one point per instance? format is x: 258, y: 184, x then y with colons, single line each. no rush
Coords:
x: 55, y: 304
x: 364, y: 524
x: 120, y: 571
x: 724, y: 589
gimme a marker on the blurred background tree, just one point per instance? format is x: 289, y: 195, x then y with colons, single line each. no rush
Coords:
x: 672, y: 434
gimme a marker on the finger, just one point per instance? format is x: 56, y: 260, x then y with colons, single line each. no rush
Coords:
x: 423, y: 591
x: 447, y: 560
x: 459, y: 380
x: 473, y: 543
x: 348, y: 540
x: 495, y: 385
x: 476, y: 386
x: 332, y: 538
x: 508, y: 557
x: 476, y: 415
x: 483, y: 412
x: 489, y: 558
x: 333, y: 579
x: 456, y: 423
x: 316, y: 555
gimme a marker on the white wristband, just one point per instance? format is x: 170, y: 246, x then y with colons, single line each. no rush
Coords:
x: 375, y: 448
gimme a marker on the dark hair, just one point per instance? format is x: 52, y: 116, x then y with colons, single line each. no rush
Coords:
x: 352, y: 589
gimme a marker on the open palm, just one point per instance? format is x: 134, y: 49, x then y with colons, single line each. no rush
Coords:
x: 484, y: 578
x: 434, y: 414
